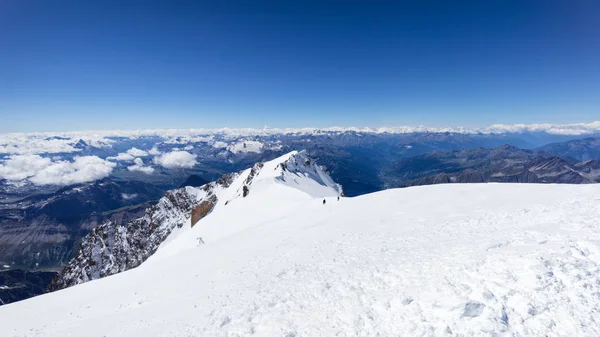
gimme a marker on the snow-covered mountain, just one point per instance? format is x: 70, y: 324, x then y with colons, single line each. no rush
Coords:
x: 444, y: 260
x: 115, y: 247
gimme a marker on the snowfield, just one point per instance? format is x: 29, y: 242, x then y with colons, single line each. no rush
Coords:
x: 442, y: 260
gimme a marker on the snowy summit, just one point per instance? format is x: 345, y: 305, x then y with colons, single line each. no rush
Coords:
x: 277, y: 254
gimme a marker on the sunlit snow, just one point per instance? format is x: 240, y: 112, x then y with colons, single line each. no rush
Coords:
x: 443, y: 260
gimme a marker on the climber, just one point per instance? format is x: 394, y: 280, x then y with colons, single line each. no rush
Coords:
x: 323, y: 201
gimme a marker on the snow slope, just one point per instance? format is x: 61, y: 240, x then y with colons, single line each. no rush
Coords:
x: 443, y: 260
x: 276, y: 189
x: 114, y: 247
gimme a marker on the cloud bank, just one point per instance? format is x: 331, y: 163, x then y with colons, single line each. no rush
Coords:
x: 137, y: 152
x: 139, y: 167
x: 52, y: 142
x: 154, y: 151
x: 33, y: 143
x: 176, y: 159
x: 21, y: 167
x: 44, y: 171
x: 129, y: 155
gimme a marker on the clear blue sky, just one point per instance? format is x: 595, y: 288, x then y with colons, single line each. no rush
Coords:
x: 71, y: 65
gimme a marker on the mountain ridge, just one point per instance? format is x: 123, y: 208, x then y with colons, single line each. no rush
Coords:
x: 115, y: 247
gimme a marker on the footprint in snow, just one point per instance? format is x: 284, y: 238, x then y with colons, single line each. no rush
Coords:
x: 473, y: 309
x: 407, y: 301
x: 226, y: 320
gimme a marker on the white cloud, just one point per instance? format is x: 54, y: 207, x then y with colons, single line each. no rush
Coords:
x: 34, y: 145
x: 44, y: 171
x: 67, y: 142
x: 139, y: 167
x: 154, y: 151
x: 81, y: 170
x: 185, y: 139
x: 189, y: 147
x: 219, y: 145
x: 556, y: 129
x: 176, y: 159
x: 129, y: 155
x: 20, y: 167
x: 122, y: 157
x: 38, y: 143
x: 128, y: 196
x: 137, y: 152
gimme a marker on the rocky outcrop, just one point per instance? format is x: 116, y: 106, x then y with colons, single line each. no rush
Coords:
x: 115, y: 247
x: 202, y: 210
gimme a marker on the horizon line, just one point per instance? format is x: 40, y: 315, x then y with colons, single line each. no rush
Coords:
x: 498, y: 128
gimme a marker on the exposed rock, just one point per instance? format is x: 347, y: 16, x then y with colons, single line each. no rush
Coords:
x: 253, y: 172
x: 225, y: 180
x: 115, y: 247
x: 202, y: 210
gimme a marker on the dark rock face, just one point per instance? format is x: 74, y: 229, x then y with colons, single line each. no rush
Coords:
x: 202, y: 210
x: 225, y: 180
x: 17, y: 284
x: 253, y: 172
x: 115, y: 247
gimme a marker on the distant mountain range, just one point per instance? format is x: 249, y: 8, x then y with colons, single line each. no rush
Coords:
x: 503, y: 164
x: 578, y: 149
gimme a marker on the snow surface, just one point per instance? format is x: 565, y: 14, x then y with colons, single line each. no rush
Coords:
x: 301, y: 181
x: 442, y: 260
